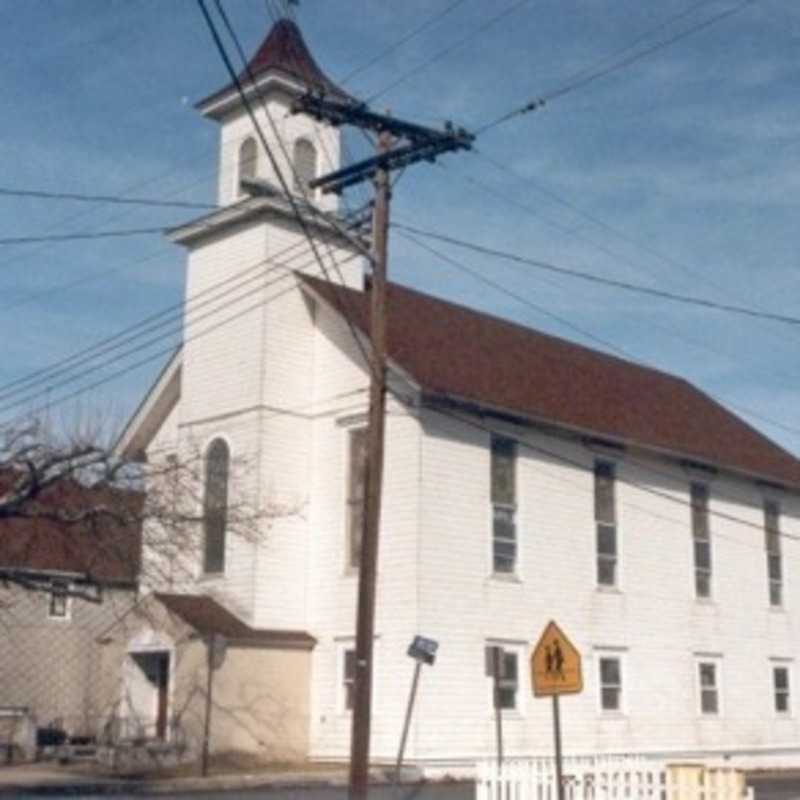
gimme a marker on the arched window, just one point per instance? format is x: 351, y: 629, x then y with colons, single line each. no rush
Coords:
x: 305, y: 164
x: 248, y: 161
x: 215, y: 506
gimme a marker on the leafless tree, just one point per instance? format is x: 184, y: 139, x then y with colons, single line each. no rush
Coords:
x: 73, y: 499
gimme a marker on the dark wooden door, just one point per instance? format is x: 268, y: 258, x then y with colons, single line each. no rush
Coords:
x: 162, y: 687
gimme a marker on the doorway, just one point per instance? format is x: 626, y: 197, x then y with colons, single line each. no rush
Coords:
x: 148, y: 692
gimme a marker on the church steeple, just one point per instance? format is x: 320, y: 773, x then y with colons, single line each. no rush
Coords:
x: 281, y: 70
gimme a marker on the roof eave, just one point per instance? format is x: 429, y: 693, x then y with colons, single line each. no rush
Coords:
x: 250, y: 210
x: 134, y: 439
x: 221, y: 103
x: 472, y: 406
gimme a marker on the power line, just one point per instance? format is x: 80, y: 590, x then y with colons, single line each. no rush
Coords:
x: 150, y: 323
x: 563, y: 459
x: 102, y: 198
x: 579, y: 81
x: 475, y: 274
x: 163, y: 352
x: 68, y: 237
x: 447, y: 50
x: 514, y: 295
x: 694, y: 275
x: 586, y: 276
x: 49, y: 404
x: 400, y: 42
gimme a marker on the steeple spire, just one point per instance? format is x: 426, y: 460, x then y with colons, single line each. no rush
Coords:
x: 282, y: 54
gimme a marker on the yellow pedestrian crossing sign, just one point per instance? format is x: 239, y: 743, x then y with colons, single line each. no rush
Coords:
x: 555, y: 664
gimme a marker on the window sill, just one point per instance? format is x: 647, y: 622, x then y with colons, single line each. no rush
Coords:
x: 608, y: 589
x: 613, y: 716
x: 777, y: 609
x: 208, y: 577
x: 708, y: 602
x: 505, y: 577
x: 510, y: 715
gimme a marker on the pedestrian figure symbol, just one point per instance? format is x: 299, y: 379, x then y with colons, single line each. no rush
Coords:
x: 555, y: 664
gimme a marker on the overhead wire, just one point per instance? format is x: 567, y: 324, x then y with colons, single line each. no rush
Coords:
x: 428, y: 23
x: 609, y: 282
x: 447, y: 50
x: 69, y: 237
x: 581, y: 80
x: 127, y: 369
x: 499, y: 287
x: 7, y: 191
x: 155, y: 321
x: 607, y: 344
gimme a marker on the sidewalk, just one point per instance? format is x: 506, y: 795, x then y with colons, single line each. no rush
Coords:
x: 51, y: 779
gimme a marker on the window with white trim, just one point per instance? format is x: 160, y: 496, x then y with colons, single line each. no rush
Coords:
x: 781, y: 689
x: 505, y: 662
x: 605, y: 516
x: 215, y: 506
x: 708, y: 686
x: 701, y: 536
x: 305, y: 165
x: 609, y: 679
x: 772, y: 536
x: 348, y: 672
x: 504, y: 504
x: 248, y: 162
x: 59, y: 600
x: 356, y: 489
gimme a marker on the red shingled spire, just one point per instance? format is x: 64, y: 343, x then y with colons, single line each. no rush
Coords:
x: 284, y: 51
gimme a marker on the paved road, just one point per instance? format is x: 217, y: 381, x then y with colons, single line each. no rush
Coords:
x: 448, y: 791
x: 784, y: 788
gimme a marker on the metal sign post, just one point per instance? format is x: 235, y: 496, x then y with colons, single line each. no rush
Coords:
x: 557, y: 738
x: 495, y: 667
x: 423, y: 651
x: 216, y: 647
x: 556, y: 670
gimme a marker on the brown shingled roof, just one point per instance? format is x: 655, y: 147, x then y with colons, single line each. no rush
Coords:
x: 208, y: 617
x: 461, y: 353
x: 103, y: 550
x: 284, y: 50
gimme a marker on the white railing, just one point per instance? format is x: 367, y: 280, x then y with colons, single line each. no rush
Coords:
x: 607, y: 778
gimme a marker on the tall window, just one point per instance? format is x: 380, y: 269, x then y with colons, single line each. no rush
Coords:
x: 348, y: 678
x: 504, y: 505
x: 708, y: 684
x: 356, y: 488
x: 702, y: 540
x: 248, y: 161
x: 772, y: 533
x: 606, y: 519
x: 781, y: 689
x: 610, y: 680
x: 305, y: 164
x: 215, y: 506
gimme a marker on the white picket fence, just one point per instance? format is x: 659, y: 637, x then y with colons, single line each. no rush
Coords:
x: 607, y: 778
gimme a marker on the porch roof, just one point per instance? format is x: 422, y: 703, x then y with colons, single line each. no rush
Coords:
x: 208, y: 618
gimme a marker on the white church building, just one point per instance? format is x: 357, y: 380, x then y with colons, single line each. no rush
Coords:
x: 527, y: 478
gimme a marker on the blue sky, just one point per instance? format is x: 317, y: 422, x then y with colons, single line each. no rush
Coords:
x: 679, y: 171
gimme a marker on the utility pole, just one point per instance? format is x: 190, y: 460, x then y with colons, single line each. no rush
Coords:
x: 416, y: 143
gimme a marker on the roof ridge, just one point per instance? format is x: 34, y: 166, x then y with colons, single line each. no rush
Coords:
x: 515, y: 325
x: 452, y: 349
